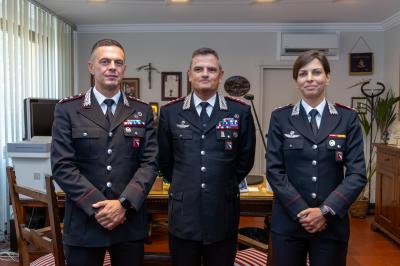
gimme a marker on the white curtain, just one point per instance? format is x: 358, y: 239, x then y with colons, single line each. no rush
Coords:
x: 35, y: 61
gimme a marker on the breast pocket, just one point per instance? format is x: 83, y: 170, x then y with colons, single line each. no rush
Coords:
x: 84, y: 140
x: 182, y: 134
x: 293, y: 144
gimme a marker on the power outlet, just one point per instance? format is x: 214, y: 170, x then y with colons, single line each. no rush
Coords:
x: 36, y: 176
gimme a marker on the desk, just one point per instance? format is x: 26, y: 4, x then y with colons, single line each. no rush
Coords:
x: 251, y: 204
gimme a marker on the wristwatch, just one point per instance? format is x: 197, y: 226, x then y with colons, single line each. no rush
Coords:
x: 326, y: 212
x: 126, y: 204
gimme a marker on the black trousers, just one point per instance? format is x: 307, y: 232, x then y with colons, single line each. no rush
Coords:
x: 192, y: 253
x: 122, y: 254
x: 288, y: 250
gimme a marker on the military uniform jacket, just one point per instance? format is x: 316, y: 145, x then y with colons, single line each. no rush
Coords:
x: 92, y: 161
x: 205, y: 166
x: 308, y: 171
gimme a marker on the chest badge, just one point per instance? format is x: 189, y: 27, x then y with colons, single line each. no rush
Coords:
x: 292, y: 135
x: 332, y: 143
x: 228, y: 145
x: 182, y: 125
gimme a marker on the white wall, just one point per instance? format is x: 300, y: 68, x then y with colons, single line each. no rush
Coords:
x: 242, y: 53
x: 392, y: 57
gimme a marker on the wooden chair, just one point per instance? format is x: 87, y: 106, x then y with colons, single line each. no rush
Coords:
x: 32, y: 242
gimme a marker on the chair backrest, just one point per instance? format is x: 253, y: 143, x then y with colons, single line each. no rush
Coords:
x: 37, y: 238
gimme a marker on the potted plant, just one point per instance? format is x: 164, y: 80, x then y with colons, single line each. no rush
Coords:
x: 379, y: 116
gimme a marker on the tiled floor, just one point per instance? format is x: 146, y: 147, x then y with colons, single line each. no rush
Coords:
x: 366, y: 247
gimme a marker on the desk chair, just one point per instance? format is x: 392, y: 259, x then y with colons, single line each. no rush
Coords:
x: 256, y: 255
x: 32, y: 242
x: 47, y: 240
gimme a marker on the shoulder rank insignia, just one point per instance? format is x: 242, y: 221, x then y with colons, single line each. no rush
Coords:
x: 236, y: 100
x: 174, y: 101
x: 136, y: 99
x: 71, y: 98
x: 345, y: 106
x: 283, y: 106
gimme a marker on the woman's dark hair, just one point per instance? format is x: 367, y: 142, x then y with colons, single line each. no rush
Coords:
x: 306, y: 58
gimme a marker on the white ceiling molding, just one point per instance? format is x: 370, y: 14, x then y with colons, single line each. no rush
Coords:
x: 391, y: 21
x: 230, y: 27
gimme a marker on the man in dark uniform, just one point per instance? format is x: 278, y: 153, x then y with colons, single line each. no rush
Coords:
x: 207, y: 144
x: 104, y: 158
x: 316, y: 168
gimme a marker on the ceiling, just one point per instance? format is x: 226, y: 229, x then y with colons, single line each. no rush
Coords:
x: 82, y: 12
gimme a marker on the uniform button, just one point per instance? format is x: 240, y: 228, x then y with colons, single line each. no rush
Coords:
x: 290, y: 145
x: 203, y: 169
x: 203, y: 136
x: 313, y: 195
x: 109, y: 184
x: 314, y: 179
x: 314, y: 147
x: 338, y: 146
x: 180, y: 135
x: 203, y: 153
x: 109, y: 151
x: 203, y: 185
x: 136, y: 133
x: 110, y: 134
x: 314, y: 162
x: 84, y: 134
x: 109, y: 167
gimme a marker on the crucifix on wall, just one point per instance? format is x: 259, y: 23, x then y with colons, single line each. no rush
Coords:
x: 149, y: 68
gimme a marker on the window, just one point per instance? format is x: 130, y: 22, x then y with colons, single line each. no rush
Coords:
x: 35, y: 61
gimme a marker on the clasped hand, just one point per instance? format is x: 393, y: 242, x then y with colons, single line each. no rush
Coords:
x: 312, y: 220
x: 110, y: 213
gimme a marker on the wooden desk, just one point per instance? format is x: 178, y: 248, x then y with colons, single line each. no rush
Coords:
x: 251, y: 203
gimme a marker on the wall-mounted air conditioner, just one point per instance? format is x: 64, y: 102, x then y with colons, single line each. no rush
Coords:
x: 291, y: 44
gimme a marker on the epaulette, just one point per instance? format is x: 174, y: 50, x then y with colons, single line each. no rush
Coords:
x: 236, y: 100
x: 136, y: 99
x: 71, y: 98
x: 345, y: 107
x: 283, y: 107
x: 174, y: 101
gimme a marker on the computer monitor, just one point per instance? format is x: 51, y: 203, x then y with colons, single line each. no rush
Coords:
x: 38, y: 117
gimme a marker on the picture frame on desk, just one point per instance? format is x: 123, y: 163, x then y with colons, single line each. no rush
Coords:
x: 171, y: 85
x: 131, y: 87
x: 359, y: 104
x: 155, y: 108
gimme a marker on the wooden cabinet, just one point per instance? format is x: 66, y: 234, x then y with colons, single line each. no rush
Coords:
x: 387, y: 200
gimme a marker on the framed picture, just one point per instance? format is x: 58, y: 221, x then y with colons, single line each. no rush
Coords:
x: 171, y: 85
x: 131, y: 87
x: 361, y: 63
x: 359, y: 104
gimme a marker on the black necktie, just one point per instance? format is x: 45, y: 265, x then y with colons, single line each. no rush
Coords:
x: 203, y: 114
x: 109, y: 114
x: 314, y: 126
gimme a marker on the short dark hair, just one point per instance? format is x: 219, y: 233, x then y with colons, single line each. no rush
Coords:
x: 205, y: 51
x: 106, y: 42
x: 306, y: 58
